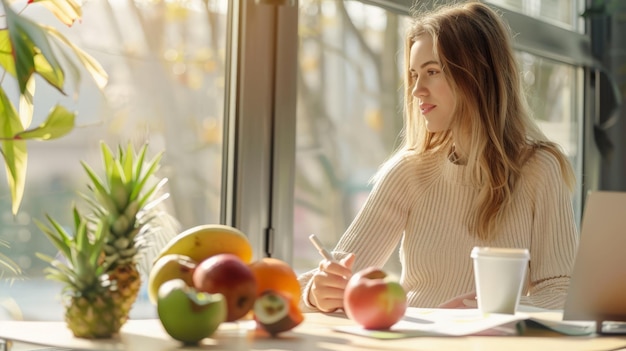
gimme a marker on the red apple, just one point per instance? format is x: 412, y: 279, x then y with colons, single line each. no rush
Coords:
x: 228, y: 275
x: 374, y: 300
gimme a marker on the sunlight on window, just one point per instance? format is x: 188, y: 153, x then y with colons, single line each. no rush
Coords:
x: 349, y: 110
x: 166, y: 64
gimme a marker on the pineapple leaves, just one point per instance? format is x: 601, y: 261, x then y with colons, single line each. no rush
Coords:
x: 113, y: 233
x: 77, y: 218
x: 81, y: 250
x: 116, y: 176
x: 82, y: 240
x: 126, y: 177
x: 126, y: 161
x: 140, y: 160
x: 153, y: 166
x: 99, y: 189
x: 98, y: 209
x: 59, y: 237
x: 8, y: 264
x: 148, y: 195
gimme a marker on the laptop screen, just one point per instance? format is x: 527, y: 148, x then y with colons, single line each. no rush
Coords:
x: 598, y: 285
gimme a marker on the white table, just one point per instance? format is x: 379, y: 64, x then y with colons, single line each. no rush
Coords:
x: 315, y: 333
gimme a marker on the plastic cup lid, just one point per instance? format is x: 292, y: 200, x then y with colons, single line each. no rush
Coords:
x: 505, y: 252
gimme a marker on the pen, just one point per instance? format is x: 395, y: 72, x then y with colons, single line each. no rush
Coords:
x: 320, y: 248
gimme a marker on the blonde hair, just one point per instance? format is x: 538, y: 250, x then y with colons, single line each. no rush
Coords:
x: 491, y: 130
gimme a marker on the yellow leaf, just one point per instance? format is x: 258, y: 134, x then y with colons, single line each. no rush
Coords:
x: 13, y: 150
x: 60, y: 121
x: 67, y: 11
x: 28, y: 40
x: 92, y: 66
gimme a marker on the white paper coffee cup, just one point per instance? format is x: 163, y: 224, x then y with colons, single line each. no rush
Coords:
x: 499, y: 274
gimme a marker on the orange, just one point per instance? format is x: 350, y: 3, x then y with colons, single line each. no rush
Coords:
x: 275, y: 274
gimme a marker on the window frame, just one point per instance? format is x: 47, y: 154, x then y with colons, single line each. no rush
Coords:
x: 257, y: 196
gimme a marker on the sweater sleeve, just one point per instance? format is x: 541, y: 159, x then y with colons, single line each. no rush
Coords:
x: 377, y: 229
x: 554, y: 237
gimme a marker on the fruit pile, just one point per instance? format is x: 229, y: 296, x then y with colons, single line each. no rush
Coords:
x: 205, y: 276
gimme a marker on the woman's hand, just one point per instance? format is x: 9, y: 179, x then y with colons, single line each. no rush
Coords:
x: 329, y: 283
x: 462, y: 301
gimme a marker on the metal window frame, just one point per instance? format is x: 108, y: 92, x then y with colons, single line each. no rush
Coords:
x: 259, y: 133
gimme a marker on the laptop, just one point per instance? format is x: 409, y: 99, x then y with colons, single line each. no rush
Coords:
x: 597, y: 288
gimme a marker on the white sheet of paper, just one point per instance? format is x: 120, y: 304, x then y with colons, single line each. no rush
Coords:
x: 462, y: 322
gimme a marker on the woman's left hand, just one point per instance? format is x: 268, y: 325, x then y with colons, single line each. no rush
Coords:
x: 462, y: 301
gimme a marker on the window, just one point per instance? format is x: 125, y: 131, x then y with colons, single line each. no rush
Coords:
x: 168, y: 84
x: 349, y: 114
x: 563, y: 13
x: 349, y: 111
x: 166, y: 65
x: 552, y: 95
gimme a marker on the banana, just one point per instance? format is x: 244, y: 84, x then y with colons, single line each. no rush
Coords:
x: 168, y: 267
x: 204, y: 241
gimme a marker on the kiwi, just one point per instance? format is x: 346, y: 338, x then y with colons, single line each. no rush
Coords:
x: 276, y: 313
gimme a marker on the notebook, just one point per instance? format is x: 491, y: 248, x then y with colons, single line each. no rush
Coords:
x: 598, y: 285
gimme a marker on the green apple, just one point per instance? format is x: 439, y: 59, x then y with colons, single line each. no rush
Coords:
x: 188, y: 315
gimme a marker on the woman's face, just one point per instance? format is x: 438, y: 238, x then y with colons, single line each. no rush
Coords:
x: 434, y: 95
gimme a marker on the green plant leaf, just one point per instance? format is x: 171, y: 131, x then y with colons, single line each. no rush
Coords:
x: 59, y: 122
x: 6, y: 56
x: 14, y: 151
x: 28, y: 39
x: 93, y: 67
x: 7, y: 61
x: 66, y: 11
x: 26, y: 104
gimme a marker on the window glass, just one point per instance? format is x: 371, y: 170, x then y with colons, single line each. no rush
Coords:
x: 349, y: 113
x: 165, y: 62
x: 551, y: 88
x: 559, y: 12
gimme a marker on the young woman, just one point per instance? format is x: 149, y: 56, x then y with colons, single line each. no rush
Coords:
x: 474, y: 170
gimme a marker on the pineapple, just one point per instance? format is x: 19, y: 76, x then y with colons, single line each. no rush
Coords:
x: 99, y: 268
x: 125, y: 199
x: 93, y: 308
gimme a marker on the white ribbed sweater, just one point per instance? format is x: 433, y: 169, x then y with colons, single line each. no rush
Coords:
x: 422, y: 201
